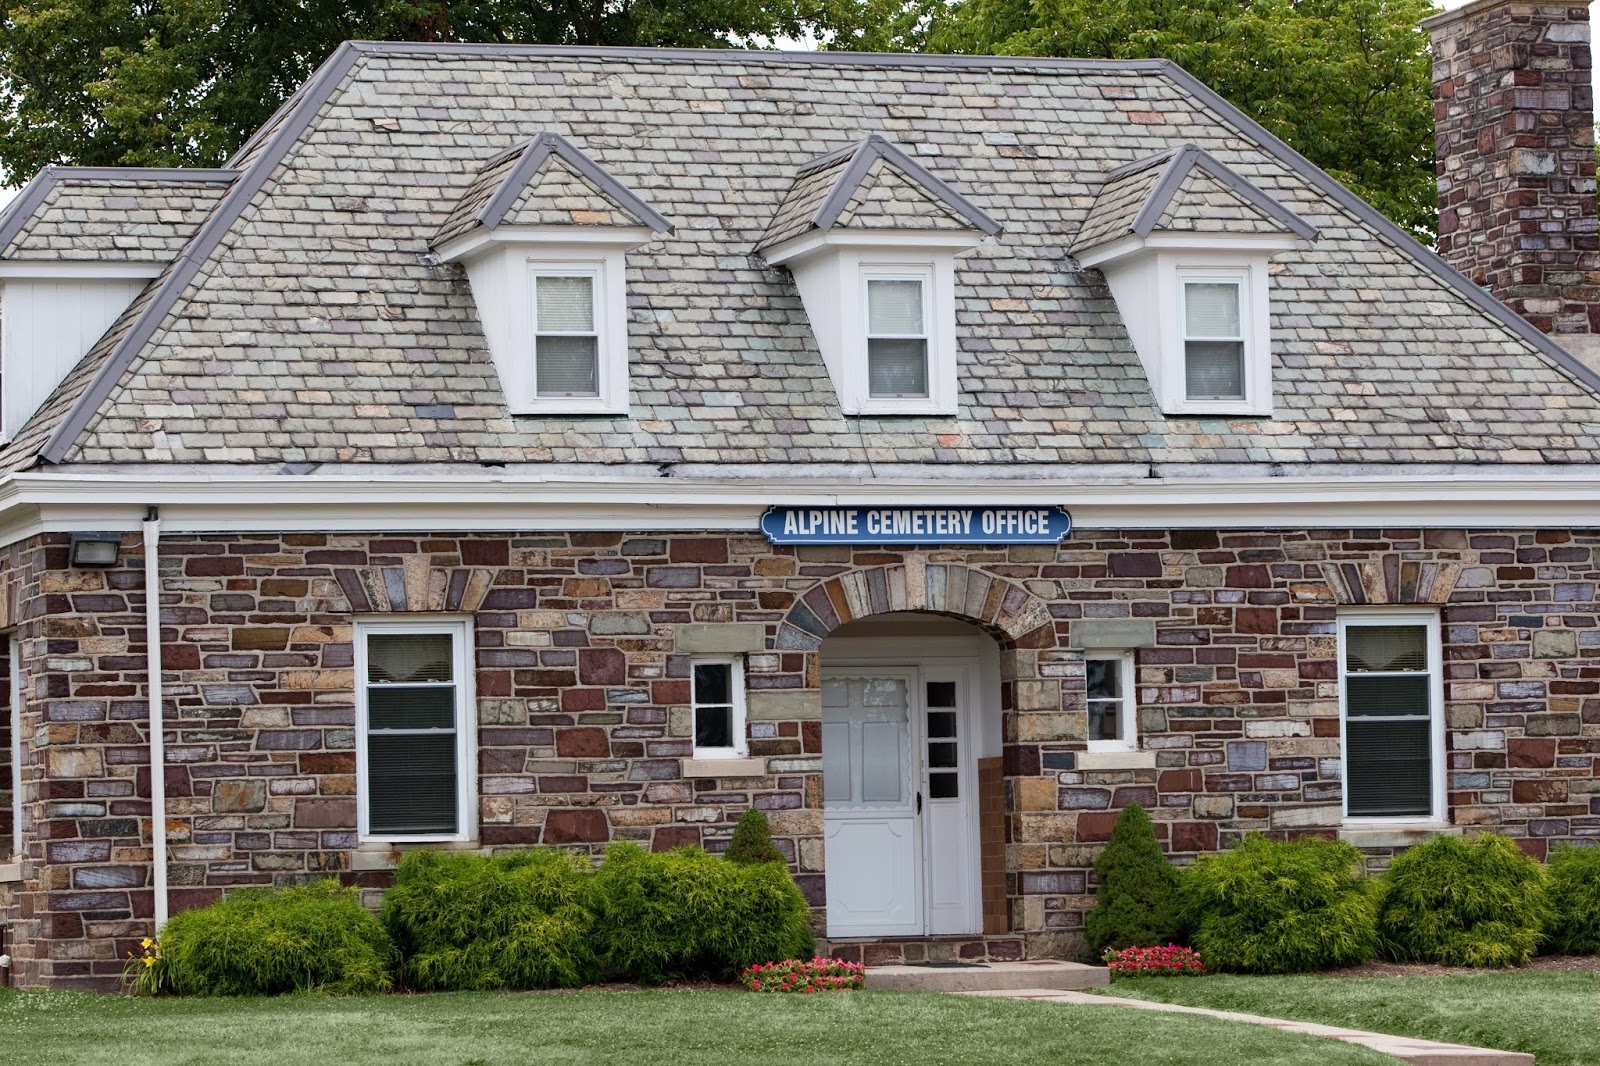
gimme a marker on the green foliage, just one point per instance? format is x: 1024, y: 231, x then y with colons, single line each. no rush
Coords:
x: 471, y: 922
x: 752, y: 841
x: 1136, y: 904
x: 1574, y: 891
x: 183, y: 82
x: 1273, y: 907
x: 688, y: 914
x: 264, y: 941
x: 1478, y: 902
x: 1346, y: 82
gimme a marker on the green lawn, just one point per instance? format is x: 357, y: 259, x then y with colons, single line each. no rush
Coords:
x: 1555, y: 1016
x: 699, y: 1028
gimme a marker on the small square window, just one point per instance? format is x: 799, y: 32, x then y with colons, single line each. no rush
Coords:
x: 897, y: 338
x: 566, y: 340
x: 1213, y: 340
x: 717, y: 698
x: 1112, y: 711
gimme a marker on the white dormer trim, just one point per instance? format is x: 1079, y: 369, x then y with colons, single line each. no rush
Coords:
x: 477, y: 242
x: 1146, y: 276
x: 80, y: 269
x: 831, y: 269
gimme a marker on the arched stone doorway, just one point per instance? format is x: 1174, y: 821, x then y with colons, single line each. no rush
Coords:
x: 1025, y: 690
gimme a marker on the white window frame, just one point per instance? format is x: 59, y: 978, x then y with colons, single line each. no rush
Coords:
x: 15, y: 681
x: 1250, y: 275
x: 595, y: 272
x: 1242, y: 303
x: 736, y: 693
x: 937, y: 274
x: 1128, y: 712
x: 1398, y: 616
x: 462, y: 667
x: 611, y: 333
x: 924, y: 277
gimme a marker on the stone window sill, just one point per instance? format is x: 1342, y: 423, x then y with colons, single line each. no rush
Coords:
x: 1116, y: 760
x: 385, y: 855
x: 724, y: 768
x: 10, y: 872
x: 1396, y: 835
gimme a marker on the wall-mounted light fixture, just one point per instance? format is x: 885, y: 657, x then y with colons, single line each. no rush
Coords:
x: 96, y: 549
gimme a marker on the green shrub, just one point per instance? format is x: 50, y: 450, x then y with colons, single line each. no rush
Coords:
x: 521, y: 919
x: 1136, y: 904
x: 1574, y: 889
x: 264, y: 941
x: 688, y: 914
x: 1272, y: 907
x: 752, y: 841
x: 1458, y: 902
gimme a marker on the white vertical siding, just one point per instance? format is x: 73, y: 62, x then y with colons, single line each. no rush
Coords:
x: 46, y: 327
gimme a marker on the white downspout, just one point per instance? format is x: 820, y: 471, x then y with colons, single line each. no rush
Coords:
x: 158, y: 747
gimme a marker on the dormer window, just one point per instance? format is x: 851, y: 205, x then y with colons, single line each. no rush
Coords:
x: 1213, y: 339
x: 897, y: 336
x: 1184, y: 244
x: 566, y: 350
x: 871, y: 238
x: 544, y: 232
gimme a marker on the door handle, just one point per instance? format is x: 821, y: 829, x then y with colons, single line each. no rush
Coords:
x: 919, y: 801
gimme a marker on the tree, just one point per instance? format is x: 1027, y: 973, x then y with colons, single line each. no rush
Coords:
x: 1137, y: 903
x: 1345, y: 82
x: 183, y: 82
x: 752, y: 841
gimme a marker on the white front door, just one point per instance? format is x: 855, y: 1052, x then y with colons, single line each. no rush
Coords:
x: 900, y: 822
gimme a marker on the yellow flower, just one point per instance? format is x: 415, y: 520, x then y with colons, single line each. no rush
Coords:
x: 146, y: 943
x: 149, y: 960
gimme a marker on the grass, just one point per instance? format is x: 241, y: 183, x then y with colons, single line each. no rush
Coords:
x: 1555, y: 1016
x: 661, y: 1028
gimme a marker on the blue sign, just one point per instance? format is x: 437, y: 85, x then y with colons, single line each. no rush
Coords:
x: 916, y: 525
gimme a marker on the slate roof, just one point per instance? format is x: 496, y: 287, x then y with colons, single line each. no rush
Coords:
x: 308, y: 321
x: 1183, y: 189
x: 872, y: 185
x: 109, y: 214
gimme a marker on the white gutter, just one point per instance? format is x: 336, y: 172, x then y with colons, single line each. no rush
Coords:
x: 158, y: 744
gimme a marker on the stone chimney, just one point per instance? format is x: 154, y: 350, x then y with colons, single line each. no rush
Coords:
x: 1514, y: 136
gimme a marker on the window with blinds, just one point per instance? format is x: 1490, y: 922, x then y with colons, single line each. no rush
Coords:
x: 566, y: 340
x: 413, y: 721
x: 1389, y: 674
x: 717, y: 698
x: 897, y: 338
x: 1213, y: 340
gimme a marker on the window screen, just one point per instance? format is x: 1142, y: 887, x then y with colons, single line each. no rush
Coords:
x: 1388, y: 690
x: 897, y: 338
x: 567, y: 345
x: 1213, y: 341
x: 412, y: 701
x: 1107, y: 699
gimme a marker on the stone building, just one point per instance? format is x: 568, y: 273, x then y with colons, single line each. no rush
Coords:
x: 557, y: 446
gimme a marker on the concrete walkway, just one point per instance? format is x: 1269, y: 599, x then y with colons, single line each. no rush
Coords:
x: 1410, y: 1049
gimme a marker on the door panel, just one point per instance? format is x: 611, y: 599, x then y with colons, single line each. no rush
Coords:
x: 873, y: 850
x: 948, y: 814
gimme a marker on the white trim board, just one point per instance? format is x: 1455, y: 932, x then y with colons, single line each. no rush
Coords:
x: 31, y: 503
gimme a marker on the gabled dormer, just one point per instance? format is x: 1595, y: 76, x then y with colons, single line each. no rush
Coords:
x: 1184, y: 243
x: 543, y: 232
x: 77, y: 245
x: 870, y: 237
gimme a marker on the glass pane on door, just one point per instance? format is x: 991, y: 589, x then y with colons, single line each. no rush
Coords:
x: 942, y: 742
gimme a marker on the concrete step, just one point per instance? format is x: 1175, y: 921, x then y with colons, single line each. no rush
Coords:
x: 1043, y: 974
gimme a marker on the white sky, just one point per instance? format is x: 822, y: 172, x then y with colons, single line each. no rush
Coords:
x: 1449, y: 5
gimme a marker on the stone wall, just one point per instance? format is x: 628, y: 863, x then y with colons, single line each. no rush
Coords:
x: 583, y: 642
x: 1514, y: 133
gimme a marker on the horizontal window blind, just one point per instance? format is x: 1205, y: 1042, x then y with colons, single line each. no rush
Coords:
x: 897, y: 368
x: 1211, y: 310
x: 412, y: 702
x: 894, y: 307
x: 1214, y: 370
x: 567, y: 366
x: 897, y: 344
x: 567, y: 349
x: 565, y: 304
x: 1388, y: 689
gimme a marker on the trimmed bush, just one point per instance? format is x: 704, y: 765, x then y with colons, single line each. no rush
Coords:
x: 265, y: 941
x: 688, y: 914
x: 521, y: 920
x: 1478, y: 902
x: 1136, y: 904
x: 1273, y: 907
x: 1574, y: 891
x: 752, y: 841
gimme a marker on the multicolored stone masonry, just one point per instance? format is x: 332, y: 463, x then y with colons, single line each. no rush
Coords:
x: 582, y: 644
